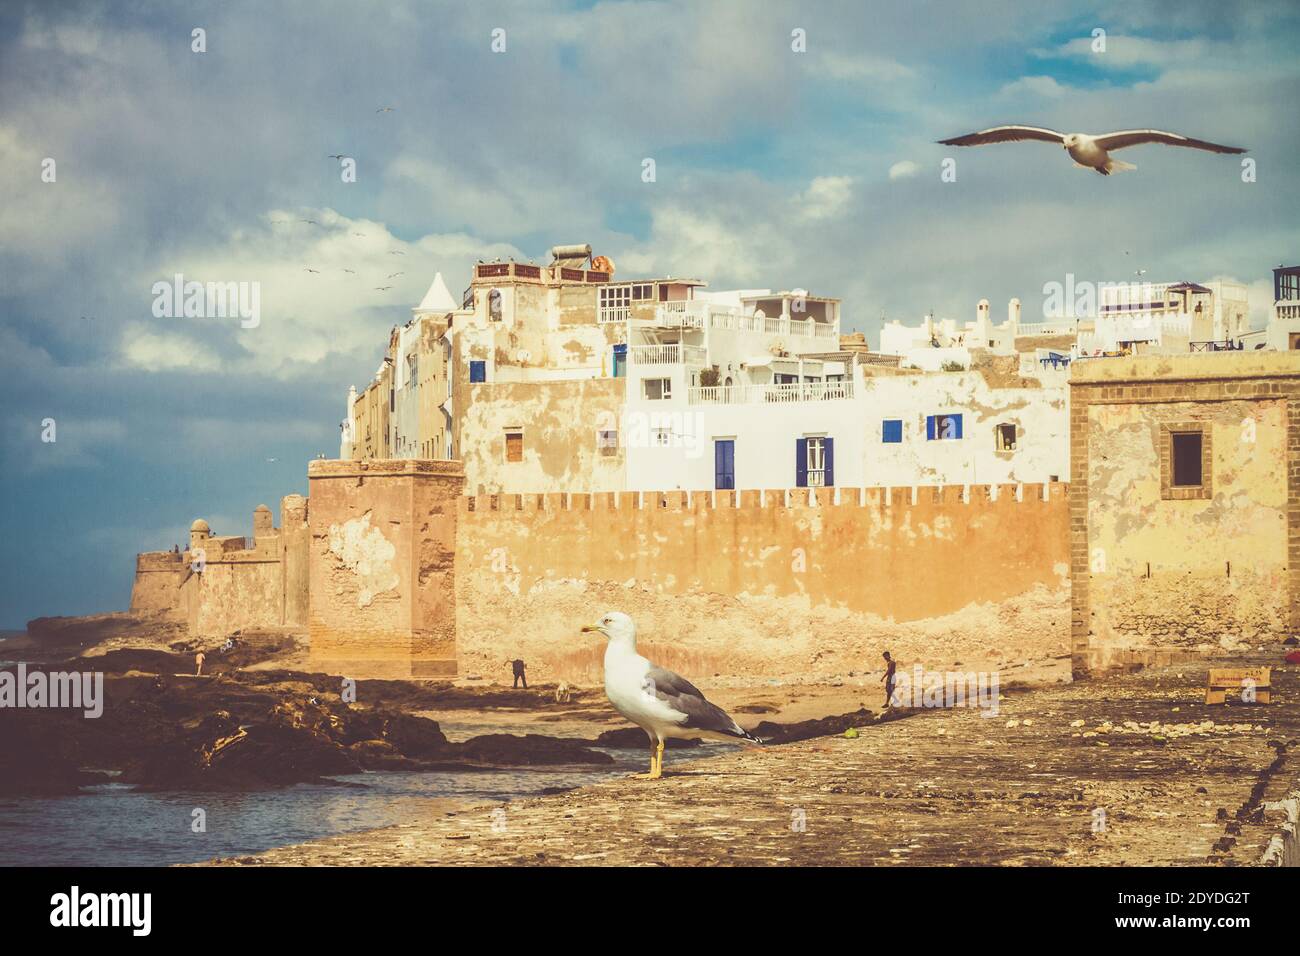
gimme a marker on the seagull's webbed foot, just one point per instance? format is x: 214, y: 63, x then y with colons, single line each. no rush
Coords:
x: 656, y: 764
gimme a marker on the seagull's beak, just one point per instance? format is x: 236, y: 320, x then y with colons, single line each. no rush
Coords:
x: 596, y: 628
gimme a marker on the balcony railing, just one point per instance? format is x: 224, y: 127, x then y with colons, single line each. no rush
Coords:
x: 681, y: 314
x: 785, y: 392
x: 1059, y: 327
x: 522, y: 270
x: 613, y: 313
x: 696, y: 314
x: 667, y: 355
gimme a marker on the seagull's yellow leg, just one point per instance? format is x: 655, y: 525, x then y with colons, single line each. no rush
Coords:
x: 657, y: 762
x: 654, y: 767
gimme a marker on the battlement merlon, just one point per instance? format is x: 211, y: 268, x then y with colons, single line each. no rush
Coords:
x: 865, y: 497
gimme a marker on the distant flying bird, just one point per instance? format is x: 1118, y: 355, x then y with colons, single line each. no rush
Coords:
x: 361, y: 234
x: 663, y: 704
x: 1088, y: 152
x: 349, y: 271
x: 317, y: 271
x: 385, y: 109
x: 272, y: 459
x: 336, y: 156
x: 396, y: 252
x: 310, y: 222
x: 382, y: 288
x: 396, y: 274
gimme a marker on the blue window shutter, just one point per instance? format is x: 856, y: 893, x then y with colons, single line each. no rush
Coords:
x: 957, y: 428
x: 929, y: 428
x: 830, y: 461
x: 892, y: 430
x: 801, y: 463
x: 724, y: 465
x: 478, y: 371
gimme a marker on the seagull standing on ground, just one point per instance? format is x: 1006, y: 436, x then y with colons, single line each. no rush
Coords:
x: 663, y: 704
x: 1087, y: 151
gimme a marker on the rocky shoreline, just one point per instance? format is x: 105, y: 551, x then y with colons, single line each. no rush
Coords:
x: 247, y: 724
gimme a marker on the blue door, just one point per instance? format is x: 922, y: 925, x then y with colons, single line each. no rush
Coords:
x: 724, y: 464
x: 620, y: 361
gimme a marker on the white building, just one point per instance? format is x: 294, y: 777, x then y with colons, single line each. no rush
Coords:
x: 665, y: 385
x: 1282, y: 333
x: 722, y: 396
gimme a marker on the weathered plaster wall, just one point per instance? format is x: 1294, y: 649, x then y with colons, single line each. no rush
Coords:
x: 1216, y: 567
x: 381, y: 567
x: 240, y: 590
x: 295, y: 541
x: 765, y: 589
x: 1039, y: 415
x: 1157, y: 577
x: 559, y: 421
x: 155, y: 590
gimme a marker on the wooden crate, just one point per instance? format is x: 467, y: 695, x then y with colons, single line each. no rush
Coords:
x: 1223, y: 681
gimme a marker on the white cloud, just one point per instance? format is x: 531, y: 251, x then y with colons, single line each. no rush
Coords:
x: 859, y: 66
x: 903, y: 169
x: 43, y: 221
x: 1044, y: 86
x: 328, y: 287
x: 825, y: 197
x: 1127, y: 52
x: 158, y: 349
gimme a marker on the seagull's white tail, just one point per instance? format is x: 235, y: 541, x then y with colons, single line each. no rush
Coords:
x: 1117, y: 166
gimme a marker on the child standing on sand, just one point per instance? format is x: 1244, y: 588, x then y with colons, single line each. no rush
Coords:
x: 890, y: 667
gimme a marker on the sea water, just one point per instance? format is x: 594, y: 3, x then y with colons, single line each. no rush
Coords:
x: 115, y: 824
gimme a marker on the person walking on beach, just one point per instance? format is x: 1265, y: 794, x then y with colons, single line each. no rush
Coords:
x: 890, y: 666
x: 518, y: 666
x: 198, y: 664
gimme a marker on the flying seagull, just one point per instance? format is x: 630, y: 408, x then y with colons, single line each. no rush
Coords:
x: 661, y: 703
x: 1087, y: 151
x: 385, y: 109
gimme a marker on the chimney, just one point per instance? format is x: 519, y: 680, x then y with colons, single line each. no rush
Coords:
x: 1013, y: 313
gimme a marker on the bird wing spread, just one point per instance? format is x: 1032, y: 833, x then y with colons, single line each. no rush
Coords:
x: 685, y: 698
x: 1005, y: 134
x: 1135, y: 137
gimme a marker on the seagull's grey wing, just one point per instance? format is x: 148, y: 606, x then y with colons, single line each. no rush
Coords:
x: 1136, y: 137
x: 1005, y: 134
x: 685, y: 698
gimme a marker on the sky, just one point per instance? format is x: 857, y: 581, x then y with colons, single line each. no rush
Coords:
x: 776, y: 164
